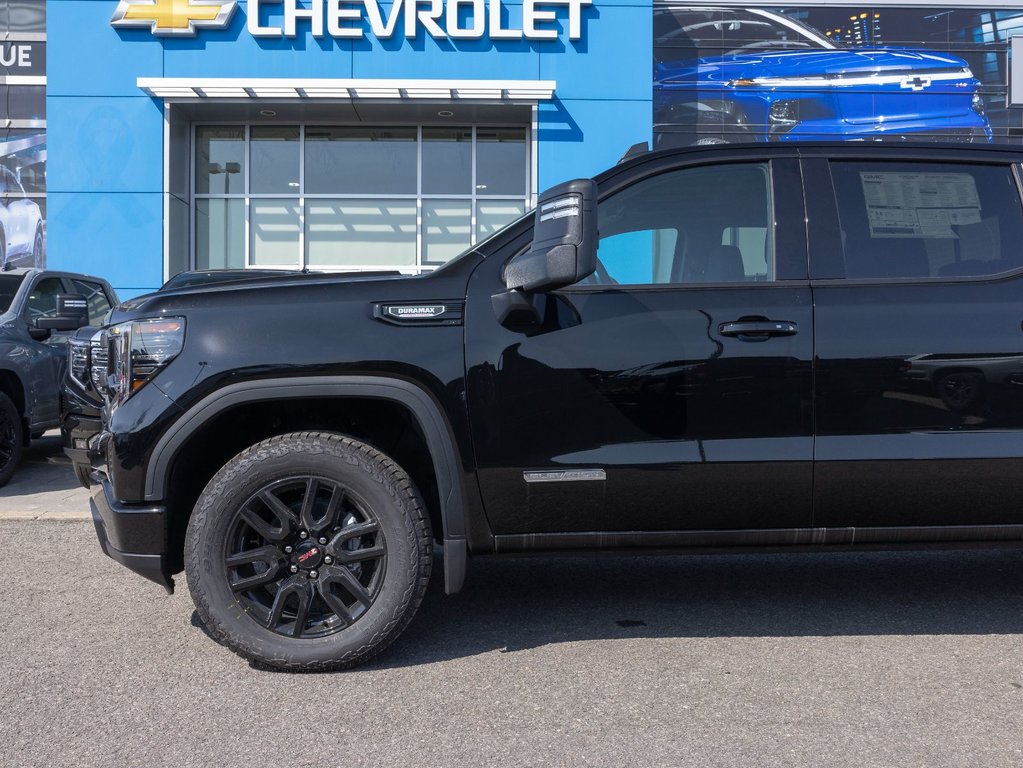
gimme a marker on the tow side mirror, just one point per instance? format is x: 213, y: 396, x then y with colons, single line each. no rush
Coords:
x: 564, y: 249
x: 72, y: 314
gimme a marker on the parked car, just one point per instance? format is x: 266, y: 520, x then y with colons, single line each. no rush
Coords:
x: 38, y: 307
x: 748, y: 74
x: 701, y: 350
x: 21, y: 225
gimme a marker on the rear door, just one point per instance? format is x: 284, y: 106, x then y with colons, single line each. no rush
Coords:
x: 671, y: 391
x: 917, y: 275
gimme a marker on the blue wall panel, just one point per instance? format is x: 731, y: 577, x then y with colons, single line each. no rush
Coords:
x: 582, y: 138
x: 116, y: 236
x: 611, y: 61
x: 236, y: 53
x: 104, y: 144
x: 88, y: 57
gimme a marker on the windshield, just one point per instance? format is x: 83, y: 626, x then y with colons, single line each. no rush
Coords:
x: 9, y: 285
x: 725, y: 30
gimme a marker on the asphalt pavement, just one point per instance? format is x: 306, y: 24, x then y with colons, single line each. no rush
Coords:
x: 870, y: 659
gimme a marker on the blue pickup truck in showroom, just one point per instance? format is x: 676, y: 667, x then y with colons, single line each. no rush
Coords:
x: 724, y: 75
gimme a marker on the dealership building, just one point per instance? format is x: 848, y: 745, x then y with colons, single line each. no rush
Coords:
x: 393, y: 134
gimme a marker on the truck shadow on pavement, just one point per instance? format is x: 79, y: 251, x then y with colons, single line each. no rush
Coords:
x: 518, y: 604
x: 44, y: 467
x: 514, y: 605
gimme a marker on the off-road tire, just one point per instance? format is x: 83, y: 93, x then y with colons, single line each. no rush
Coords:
x: 390, y: 496
x: 12, y: 439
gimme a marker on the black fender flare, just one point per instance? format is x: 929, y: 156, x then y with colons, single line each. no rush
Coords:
x: 424, y: 409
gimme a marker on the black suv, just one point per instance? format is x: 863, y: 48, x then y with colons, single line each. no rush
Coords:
x: 765, y: 348
x: 36, y: 308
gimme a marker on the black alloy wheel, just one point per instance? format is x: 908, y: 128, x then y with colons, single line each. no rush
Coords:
x: 309, y: 551
x: 305, y: 557
x: 11, y: 439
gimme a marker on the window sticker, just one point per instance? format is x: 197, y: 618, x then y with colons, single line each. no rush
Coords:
x: 919, y: 204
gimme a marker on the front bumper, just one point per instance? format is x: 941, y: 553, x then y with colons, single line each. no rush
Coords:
x: 134, y: 536
x: 80, y: 435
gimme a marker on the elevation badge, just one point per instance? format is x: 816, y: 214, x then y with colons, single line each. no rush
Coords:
x: 174, y: 17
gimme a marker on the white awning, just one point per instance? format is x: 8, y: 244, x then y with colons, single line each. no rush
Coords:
x: 277, y: 89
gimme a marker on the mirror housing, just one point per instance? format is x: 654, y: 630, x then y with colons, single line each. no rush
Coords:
x: 72, y: 314
x: 564, y: 248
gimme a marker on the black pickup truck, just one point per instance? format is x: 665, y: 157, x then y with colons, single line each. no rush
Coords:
x: 37, y: 308
x: 740, y: 348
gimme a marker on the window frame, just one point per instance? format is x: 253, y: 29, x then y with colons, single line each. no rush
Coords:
x: 823, y: 216
x: 302, y: 198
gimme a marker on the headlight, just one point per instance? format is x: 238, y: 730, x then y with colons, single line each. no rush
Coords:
x: 138, y: 350
x: 79, y: 353
x: 978, y: 105
x: 98, y: 357
x: 784, y: 114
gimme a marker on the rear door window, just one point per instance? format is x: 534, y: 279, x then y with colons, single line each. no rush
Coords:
x: 925, y: 220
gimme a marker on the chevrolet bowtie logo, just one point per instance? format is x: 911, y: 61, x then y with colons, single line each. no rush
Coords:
x: 173, y: 17
x: 916, y: 83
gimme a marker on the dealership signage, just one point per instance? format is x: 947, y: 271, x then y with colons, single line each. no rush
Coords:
x: 23, y: 58
x: 441, y: 19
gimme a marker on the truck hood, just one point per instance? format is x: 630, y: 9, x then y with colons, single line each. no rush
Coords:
x: 290, y: 295
x: 257, y: 283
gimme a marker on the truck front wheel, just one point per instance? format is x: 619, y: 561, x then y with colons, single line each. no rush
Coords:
x: 309, y: 551
x: 11, y: 438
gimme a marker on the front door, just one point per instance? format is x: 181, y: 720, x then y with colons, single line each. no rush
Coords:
x: 671, y: 390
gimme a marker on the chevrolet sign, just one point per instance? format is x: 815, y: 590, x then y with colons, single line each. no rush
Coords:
x: 441, y: 19
x: 173, y: 17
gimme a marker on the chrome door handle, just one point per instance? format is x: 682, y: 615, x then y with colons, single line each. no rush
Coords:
x: 758, y: 330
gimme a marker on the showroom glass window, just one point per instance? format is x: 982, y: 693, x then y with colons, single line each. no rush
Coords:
x: 23, y: 99
x: 353, y: 197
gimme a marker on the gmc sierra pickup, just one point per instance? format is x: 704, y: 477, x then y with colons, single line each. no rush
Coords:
x: 736, y: 348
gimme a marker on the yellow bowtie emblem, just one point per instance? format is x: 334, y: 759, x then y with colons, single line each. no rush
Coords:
x: 173, y: 17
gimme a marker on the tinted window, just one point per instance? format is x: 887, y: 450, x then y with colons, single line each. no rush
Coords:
x: 275, y: 159
x: 927, y: 220
x: 220, y: 160
x: 42, y: 302
x: 697, y: 225
x: 361, y: 161
x: 9, y: 285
